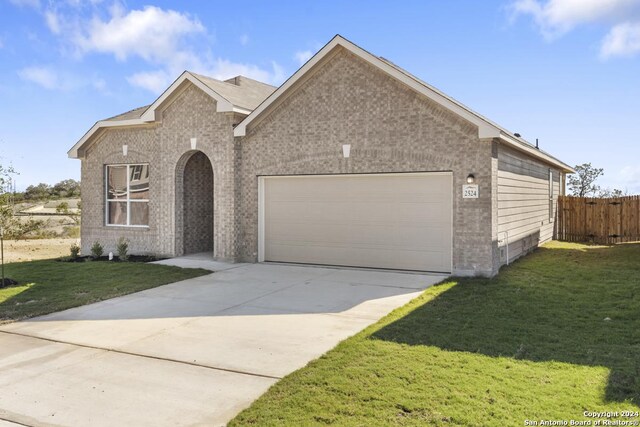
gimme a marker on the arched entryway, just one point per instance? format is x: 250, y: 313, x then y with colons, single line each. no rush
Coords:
x: 194, y: 204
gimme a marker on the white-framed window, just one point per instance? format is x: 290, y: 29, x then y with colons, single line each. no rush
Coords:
x: 127, y: 195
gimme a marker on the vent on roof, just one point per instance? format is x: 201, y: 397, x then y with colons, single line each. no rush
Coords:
x: 517, y: 135
x: 234, y: 80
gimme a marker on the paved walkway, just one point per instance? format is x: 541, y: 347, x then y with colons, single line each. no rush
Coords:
x: 190, y: 353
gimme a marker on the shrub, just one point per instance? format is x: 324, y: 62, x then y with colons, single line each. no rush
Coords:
x: 75, y: 251
x: 96, y: 250
x: 70, y: 231
x: 123, y: 249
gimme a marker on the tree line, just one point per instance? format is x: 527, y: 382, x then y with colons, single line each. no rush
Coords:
x: 68, y: 188
x: 583, y: 183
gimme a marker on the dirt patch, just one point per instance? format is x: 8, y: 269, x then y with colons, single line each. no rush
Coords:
x: 30, y: 250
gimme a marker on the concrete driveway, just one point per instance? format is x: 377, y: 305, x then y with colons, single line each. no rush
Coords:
x: 190, y: 353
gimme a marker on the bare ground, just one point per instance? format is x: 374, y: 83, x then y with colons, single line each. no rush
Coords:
x: 29, y: 250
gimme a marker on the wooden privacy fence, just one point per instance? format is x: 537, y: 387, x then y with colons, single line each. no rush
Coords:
x: 598, y: 220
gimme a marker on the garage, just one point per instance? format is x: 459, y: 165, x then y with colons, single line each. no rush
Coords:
x: 392, y: 221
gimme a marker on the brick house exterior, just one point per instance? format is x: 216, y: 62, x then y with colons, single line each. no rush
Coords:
x: 207, y: 143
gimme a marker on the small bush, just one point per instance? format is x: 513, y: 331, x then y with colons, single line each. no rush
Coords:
x: 122, y: 247
x: 75, y: 251
x: 70, y: 232
x: 96, y: 250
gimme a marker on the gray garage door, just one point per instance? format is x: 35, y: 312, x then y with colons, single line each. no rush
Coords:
x: 393, y: 221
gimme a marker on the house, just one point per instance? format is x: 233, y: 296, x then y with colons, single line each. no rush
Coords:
x: 352, y: 162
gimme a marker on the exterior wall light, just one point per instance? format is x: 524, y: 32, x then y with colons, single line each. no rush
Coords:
x: 346, y: 150
x: 125, y: 149
x: 471, y: 179
x: 194, y: 142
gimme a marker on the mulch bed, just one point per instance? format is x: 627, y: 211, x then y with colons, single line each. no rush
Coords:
x: 7, y: 282
x: 131, y: 258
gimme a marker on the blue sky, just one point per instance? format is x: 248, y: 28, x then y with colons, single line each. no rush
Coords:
x: 564, y: 71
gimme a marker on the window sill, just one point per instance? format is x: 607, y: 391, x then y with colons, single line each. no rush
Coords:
x: 134, y: 227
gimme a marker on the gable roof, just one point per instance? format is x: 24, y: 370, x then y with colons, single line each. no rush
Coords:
x: 241, y: 91
x: 239, y: 94
x: 486, y: 127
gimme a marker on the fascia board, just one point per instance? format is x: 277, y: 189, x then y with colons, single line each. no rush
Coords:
x: 485, y: 129
x: 222, y: 104
x: 534, y: 152
x: 73, y: 153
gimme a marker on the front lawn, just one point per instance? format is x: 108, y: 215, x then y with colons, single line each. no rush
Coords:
x: 554, y: 335
x: 48, y: 286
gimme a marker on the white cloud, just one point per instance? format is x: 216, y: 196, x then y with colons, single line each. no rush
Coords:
x: 153, y: 34
x: 303, y: 56
x: 43, y: 76
x: 27, y: 3
x: 244, y: 39
x: 54, y: 79
x: 99, y: 84
x: 622, y: 40
x: 157, y: 81
x: 153, y: 81
x: 53, y: 22
x: 168, y: 40
x: 629, y: 177
x: 555, y: 18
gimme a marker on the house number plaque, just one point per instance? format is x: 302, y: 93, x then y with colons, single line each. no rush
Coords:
x: 470, y: 191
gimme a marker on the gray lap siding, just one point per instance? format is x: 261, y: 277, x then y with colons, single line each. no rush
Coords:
x: 524, y: 210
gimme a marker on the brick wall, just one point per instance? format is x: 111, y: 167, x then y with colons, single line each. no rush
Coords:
x: 345, y: 100
x: 390, y: 129
x: 166, y: 147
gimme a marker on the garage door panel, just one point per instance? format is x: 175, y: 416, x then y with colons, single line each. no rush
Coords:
x: 346, y: 256
x: 396, y: 188
x: 361, y: 236
x: 352, y: 210
x: 382, y: 221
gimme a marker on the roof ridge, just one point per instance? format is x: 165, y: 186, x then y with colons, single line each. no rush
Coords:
x: 230, y: 78
x: 127, y: 112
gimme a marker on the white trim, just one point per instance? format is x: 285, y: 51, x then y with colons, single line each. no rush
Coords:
x: 534, y: 152
x: 73, y: 152
x: 241, y: 110
x: 222, y: 104
x: 332, y: 175
x: 127, y: 201
x: 150, y: 114
x: 262, y: 199
x: 486, y: 128
x: 261, y: 210
x: 453, y: 212
x: 128, y: 196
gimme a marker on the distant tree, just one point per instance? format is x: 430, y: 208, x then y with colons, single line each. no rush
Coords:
x: 612, y: 192
x: 583, y: 182
x: 6, y: 210
x: 66, y: 188
x: 13, y: 228
x: 38, y: 192
x: 73, y: 215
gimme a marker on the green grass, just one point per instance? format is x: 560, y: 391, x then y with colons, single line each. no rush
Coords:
x: 532, y: 343
x: 48, y: 286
